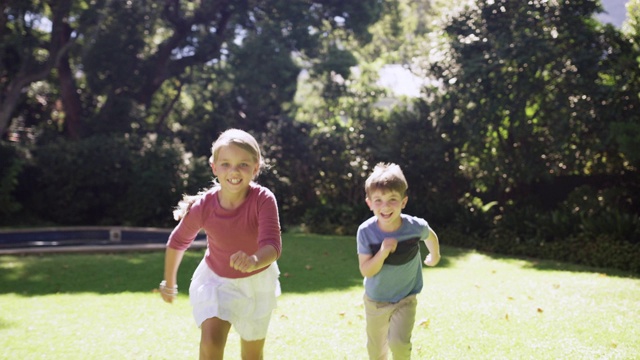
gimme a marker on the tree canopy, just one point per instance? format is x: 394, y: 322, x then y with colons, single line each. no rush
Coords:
x: 113, y: 63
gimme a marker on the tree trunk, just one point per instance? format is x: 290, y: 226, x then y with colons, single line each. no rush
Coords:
x: 28, y: 73
x: 70, y: 99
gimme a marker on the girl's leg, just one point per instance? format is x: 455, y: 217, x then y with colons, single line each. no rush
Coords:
x: 252, y: 350
x: 213, y: 338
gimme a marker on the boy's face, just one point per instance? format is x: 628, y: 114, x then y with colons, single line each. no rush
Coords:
x: 387, y: 207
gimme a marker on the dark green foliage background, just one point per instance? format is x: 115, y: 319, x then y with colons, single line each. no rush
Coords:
x: 524, y: 139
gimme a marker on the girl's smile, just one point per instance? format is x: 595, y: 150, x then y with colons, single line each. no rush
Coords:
x: 235, y: 169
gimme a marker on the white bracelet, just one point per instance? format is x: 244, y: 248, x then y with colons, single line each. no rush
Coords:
x: 171, y: 291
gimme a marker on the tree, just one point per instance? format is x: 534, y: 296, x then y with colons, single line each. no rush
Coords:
x: 29, y: 52
x: 531, y: 89
x: 125, y: 52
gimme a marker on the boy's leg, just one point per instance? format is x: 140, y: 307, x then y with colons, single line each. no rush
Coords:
x: 402, y: 321
x: 377, y: 315
x: 213, y: 338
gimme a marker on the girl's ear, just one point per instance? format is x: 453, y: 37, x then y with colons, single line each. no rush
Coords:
x: 213, y: 168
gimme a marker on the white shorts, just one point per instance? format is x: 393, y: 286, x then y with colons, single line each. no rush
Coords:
x: 247, y: 303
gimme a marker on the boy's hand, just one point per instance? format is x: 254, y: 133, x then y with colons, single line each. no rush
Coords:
x: 432, y: 259
x: 389, y: 245
x: 243, y: 262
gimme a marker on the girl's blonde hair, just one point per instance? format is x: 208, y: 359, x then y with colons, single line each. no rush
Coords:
x: 237, y: 137
x: 241, y: 139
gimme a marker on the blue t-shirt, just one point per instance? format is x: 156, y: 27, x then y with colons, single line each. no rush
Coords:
x: 394, y: 282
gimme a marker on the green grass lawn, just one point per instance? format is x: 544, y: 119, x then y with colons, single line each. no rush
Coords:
x: 473, y: 306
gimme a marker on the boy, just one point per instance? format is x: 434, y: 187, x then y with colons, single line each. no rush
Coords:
x: 389, y: 257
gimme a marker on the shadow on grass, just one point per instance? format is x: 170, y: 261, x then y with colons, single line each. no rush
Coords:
x: 309, y: 263
x: 102, y: 273
x: 554, y: 265
x: 550, y: 265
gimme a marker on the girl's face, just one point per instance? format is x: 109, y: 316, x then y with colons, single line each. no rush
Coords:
x: 235, y: 168
x: 387, y: 207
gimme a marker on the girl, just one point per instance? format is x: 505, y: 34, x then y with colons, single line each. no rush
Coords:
x: 236, y: 283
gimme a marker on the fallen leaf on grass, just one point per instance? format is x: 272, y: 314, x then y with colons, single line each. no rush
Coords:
x: 424, y: 323
x: 540, y: 310
x: 308, y: 267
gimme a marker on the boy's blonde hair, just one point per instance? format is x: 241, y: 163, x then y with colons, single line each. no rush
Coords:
x: 386, y: 177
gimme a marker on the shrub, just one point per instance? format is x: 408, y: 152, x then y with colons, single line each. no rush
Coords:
x: 11, y: 164
x: 106, y: 180
x: 335, y: 220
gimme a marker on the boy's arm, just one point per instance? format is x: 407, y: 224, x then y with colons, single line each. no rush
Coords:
x: 434, y: 249
x: 371, y: 264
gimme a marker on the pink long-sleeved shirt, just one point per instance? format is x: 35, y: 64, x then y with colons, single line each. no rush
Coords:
x: 252, y: 225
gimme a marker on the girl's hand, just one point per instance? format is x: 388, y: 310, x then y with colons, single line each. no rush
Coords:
x: 432, y: 259
x: 168, y: 293
x: 243, y: 262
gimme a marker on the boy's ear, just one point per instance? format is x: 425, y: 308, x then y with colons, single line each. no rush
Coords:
x: 405, y: 201
x: 368, y: 202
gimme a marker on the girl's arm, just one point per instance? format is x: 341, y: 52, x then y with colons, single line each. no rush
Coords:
x: 434, y: 249
x: 248, y: 263
x: 269, y: 238
x: 172, y: 260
